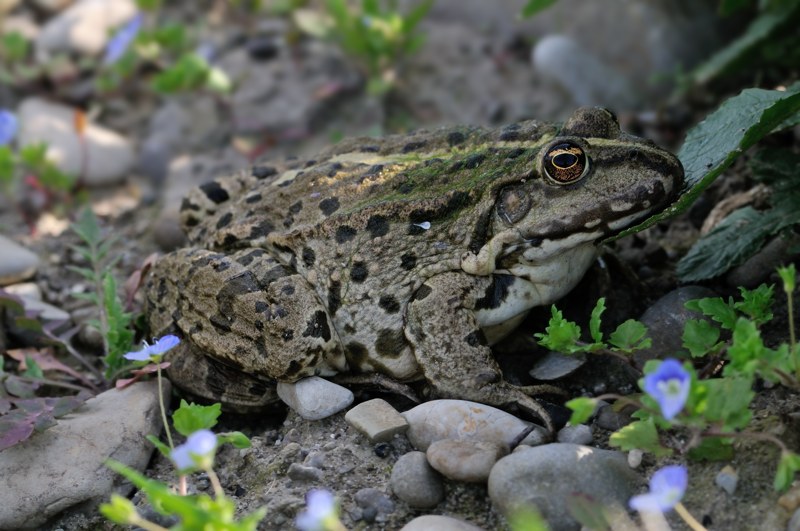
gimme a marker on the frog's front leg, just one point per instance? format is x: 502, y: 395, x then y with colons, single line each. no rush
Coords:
x: 451, y: 348
x: 245, y: 319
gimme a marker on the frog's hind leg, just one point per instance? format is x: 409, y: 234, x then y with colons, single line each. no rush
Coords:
x: 246, y: 320
x: 451, y: 349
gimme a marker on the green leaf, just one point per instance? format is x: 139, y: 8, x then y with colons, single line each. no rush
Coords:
x: 7, y: 164
x: 788, y: 466
x: 190, y: 72
x: 582, y: 408
x: 535, y: 6
x: 630, y: 336
x: 32, y: 368
x: 87, y: 227
x: 594, y: 320
x: 14, y: 47
x: 120, y: 510
x: 192, y: 417
x: 729, y: 58
x: 716, y: 308
x: 727, y: 401
x: 713, y: 449
x: 699, y: 337
x: 756, y: 303
x: 789, y: 277
x: 560, y: 335
x: 236, y: 438
x: 160, y: 446
x: 747, y: 349
x: 712, y: 145
x: 527, y: 519
x: 641, y: 435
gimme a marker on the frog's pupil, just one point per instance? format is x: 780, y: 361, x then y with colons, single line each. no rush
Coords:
x: 565, y: 160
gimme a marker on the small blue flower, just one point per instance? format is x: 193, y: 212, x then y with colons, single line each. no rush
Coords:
x: 667, y: 487
x: 122, y: 40
x: 196, y: 452
x: 320, y: 514
x: 8, y: 126
x: 669, y: 386
x: 155, y: 351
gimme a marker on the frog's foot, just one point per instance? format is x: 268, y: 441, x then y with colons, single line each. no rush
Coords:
x: 381, y: 381
x: 451, y: 349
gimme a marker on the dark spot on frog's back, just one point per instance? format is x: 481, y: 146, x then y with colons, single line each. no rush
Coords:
x: 413, y: 146
x: 215, y: 192
x: 422, y: 293
x: 309, y: 256
x: 356, y: 353
x: 317, y: 326
x: 510, y: 133
x: 261, y: 230
x: 329, y: 205
x: 408, y: 261
x: 252, y: 198
x: 358, y: 273
x: 378, y: 226
x: 345, y: 233
x: 471, y: 162
x: 334, y: 297
x: 455, y: 138
x: 262, y: 172
x: 390, y: 343
x: 389, y: 304
x: 225, y: 220
x: 475, y: 338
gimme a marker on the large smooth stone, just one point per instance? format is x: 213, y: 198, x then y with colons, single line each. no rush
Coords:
x: 546, y: 477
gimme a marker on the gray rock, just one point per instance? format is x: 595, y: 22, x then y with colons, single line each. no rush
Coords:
x: 666, y: 316
x: 110, y: 156
x: 579, y: 434
x: 437, y: 522
x: 298, y: 472
x: 727, y: 479
x: 579, y: 73
x: 460, y: 420
x: 546, y: 476
x: 469, y: 461
x: 84, y: 27
x: 18, y: 263
x: 315, y: 398
x: 63, y: 466
x: 415, y: 482
x: 376, y: 419
x: 554, y: 365
x: 794, y: 521
x: 609, y: 419
x: 373, y: 503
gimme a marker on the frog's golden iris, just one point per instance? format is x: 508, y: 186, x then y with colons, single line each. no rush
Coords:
x: 565, y: 163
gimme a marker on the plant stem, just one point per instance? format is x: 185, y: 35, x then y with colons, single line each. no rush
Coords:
x: 214, y: 478
x: 163, y: 409
x: 688, y: 518
x: 790, y: 306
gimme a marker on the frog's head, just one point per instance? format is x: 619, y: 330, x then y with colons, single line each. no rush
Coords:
x: 590, y: 181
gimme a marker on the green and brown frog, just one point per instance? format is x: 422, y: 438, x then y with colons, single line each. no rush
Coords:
x: 406, y: 256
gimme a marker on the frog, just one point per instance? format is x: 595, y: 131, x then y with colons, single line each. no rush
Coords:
x: 405, y: 257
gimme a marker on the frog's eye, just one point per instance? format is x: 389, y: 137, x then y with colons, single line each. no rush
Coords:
x: 565, y: 163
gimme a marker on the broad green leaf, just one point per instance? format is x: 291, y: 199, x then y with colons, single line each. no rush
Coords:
x: 236, y: 438
x: 757, y: 303
x: 713, y: 449
x: 727, y: 400
x: 630, y: 336
x: 716, y: 308
x: 535, y: 6
x: 192, y: 417
x: 582, y: 408
x: 641, y: 435
x: 699, y: 337
x: 712, y: 145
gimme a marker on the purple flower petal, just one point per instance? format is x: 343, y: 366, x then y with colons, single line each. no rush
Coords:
x: 669, y: 386
x: 667, y: 487
x: 122, y: 40
x: 8, y: 126
x: 200, y: 444
x: 164, y: 344
x: 320, y: 507
x: 138, y: 355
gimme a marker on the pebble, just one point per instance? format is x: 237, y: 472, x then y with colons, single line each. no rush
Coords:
x: 610, y: 419
x: 578, y: 72
x: 28, y: 290
x: 110, y: 155
x: 18, y: 263
x: 635, y: 458
x: 315, y: 398
x: 468, y: 461
x: 376, y: 419
x: 548, y: 475
x: 63, y: 465
x: 439, y: 522
x: 554, y: 365
x: 727, y: 479
x: 415, y: 482
x: 373, y: 503
x: 666, y: 316
x: 794, y: 522
x: 298, y: 472
x: 579, y: 434
x: 460, y: 420
x: 84, y: 27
